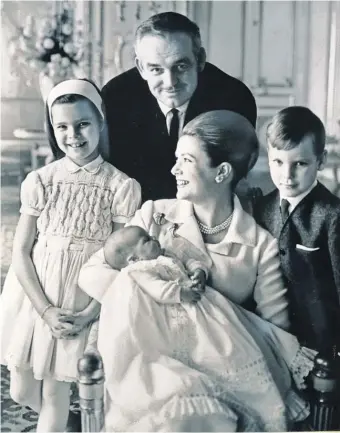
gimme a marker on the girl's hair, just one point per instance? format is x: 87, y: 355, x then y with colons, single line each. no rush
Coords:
x: 291, y: 125
x: 66, y: 99
x: 227, y: 137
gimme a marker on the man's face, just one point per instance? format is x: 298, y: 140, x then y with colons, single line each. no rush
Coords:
x: 169, y: 66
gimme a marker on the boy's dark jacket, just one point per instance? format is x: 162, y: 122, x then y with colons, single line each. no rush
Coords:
x: 312, y: 277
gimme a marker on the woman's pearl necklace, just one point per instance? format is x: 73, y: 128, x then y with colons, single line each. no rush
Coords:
x: 217, y: 229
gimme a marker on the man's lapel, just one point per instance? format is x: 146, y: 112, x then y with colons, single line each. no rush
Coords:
x: 194, y: 108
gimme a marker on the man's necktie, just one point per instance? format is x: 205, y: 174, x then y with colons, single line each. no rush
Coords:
x: 284, y: 206
x: 174, y: 127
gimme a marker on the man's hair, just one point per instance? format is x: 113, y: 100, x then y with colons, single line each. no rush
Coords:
x: 291, y: 125
x: 227, y: 137
x: 66, y: 99
x: 170, y: 22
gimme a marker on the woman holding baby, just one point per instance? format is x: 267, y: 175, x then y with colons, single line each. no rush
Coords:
x: 206, y: 221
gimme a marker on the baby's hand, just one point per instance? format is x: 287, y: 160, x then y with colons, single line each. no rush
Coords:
x: 198, y: 279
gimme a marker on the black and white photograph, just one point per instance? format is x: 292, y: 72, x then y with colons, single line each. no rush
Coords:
x: 170, y: 216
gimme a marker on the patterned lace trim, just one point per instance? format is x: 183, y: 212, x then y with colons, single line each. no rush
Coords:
x: 302, y: 365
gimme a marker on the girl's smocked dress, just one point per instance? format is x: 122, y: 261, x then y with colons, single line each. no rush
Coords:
x: 76, y: 208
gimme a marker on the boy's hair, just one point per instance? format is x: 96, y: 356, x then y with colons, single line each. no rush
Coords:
x: 66, y: 99
x: 170, y: 22
x: 227, y: 137
x: 291, y: 125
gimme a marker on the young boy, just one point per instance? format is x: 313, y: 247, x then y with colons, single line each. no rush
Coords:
x: 305, y: 218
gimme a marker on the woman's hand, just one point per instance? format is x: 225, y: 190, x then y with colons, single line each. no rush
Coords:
x: 191, y: 290
x: 189, y: 294
x: 198, y: 279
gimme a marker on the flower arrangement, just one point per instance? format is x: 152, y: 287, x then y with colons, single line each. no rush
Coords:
x: 51, y: 46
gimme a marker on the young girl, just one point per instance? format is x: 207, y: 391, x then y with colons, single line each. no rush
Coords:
x: 68, y: 210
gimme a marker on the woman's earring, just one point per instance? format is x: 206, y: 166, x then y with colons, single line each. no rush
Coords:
x: 218, y: 179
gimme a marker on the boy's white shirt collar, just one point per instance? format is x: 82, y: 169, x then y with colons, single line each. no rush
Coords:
x: 294, y: 201
x: 91, y: 167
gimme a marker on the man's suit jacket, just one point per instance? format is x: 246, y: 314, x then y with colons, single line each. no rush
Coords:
x: 312, y: 273
x: 139, y: 142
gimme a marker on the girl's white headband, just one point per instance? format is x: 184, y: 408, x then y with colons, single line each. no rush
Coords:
x: 75, y: 87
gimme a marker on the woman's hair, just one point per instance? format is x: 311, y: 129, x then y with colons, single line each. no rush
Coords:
x: 226, y: 137
x: 291, y: 125
x: 170, y: 22
x: 66, y: 99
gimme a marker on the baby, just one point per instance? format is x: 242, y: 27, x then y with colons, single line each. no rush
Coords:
x: 166, y: 279
x: 145, y: 264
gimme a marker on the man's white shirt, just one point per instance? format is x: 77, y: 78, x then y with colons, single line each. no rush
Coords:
x: 168, y: 114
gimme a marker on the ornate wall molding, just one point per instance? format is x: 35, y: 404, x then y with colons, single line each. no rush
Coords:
x: 110, y: 26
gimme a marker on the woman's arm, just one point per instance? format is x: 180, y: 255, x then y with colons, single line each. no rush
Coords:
x: 269, y: 291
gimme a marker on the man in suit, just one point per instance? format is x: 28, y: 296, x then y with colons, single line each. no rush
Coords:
x: 148, y: 105
x: 305, y: 218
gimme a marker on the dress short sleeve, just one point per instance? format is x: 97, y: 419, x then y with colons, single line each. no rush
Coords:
x: 32, y: 195
x: 126, y: 202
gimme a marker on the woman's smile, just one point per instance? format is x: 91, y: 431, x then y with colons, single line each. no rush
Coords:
x: 181, y: 183
x: 193, y: 172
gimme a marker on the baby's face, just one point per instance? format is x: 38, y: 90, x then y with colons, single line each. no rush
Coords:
x: 146, y: 247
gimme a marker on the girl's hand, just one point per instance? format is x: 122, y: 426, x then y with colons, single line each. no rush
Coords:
x: 55, y: 319
x: 78, y: 320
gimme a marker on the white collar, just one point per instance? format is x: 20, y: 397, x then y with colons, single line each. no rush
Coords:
x: 294, y: 201
x: 242, y: 229
x: 165, y: 109
x: 92, y: 167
